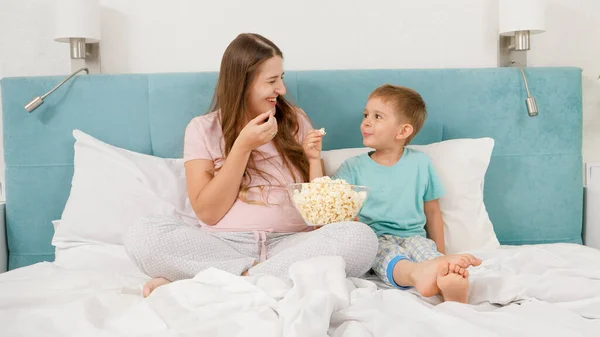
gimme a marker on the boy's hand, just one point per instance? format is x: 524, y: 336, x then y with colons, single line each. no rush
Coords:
x: 312, y: 145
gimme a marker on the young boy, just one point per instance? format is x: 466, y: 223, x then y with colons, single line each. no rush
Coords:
x: 402, y: 207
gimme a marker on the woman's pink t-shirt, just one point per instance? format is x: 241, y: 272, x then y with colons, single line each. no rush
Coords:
x: 204, y: 140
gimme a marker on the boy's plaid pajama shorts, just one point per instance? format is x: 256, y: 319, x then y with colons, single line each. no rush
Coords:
x: 394, y: 248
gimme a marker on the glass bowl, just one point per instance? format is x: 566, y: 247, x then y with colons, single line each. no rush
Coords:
x: 321, y: 204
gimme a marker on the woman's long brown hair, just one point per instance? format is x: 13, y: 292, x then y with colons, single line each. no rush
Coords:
x: 239, y: 67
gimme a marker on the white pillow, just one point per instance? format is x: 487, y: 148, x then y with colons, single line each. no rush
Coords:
x: 112, y: 188
x: 461, y: 165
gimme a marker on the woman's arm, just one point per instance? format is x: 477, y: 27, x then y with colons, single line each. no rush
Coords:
x: 435, y: 224
x: 312, y: 144
x: 316, y: 169
x: 212, y: 195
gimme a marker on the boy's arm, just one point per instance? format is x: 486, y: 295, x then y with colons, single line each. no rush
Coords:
x: 435, y: 224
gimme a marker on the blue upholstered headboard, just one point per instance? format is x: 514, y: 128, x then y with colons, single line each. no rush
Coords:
x: 533, y: 189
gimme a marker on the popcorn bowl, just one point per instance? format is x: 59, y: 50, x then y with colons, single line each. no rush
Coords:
x: 323, y: 203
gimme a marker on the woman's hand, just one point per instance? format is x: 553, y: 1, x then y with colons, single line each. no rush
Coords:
x: 312, y: 145
x: 258, y: 132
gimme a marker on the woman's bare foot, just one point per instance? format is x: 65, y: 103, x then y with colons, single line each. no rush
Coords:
x: 452, y: 282
x: 153, y: 284
x: 245, y: 272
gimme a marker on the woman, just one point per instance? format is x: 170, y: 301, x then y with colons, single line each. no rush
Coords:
x: 238, y: 159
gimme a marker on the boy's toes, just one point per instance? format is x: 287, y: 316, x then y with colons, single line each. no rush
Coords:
x: 473, y: 261
x: 463, y: 261
x: 443, y: 269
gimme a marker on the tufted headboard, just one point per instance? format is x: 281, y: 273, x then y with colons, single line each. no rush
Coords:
x: 533, y: 188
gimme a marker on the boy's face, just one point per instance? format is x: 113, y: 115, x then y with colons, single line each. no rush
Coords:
x: 381, y: 128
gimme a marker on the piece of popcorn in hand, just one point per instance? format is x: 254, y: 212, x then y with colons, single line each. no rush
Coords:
x: 322, y: 131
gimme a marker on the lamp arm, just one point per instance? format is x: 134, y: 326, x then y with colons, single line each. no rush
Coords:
x: 65, y: 80
x: 524, y: 78
x: 532, y: 108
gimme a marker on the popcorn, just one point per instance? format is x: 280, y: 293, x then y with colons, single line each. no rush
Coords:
x: 325, y: 201
x: 322, y: 131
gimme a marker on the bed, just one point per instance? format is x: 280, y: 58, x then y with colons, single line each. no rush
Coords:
x: 78, y: 166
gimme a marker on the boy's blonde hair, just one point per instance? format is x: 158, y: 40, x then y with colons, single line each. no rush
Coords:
x: 406, y: 102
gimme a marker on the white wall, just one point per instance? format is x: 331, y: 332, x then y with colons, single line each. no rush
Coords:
x: 313, y: 34
x: 141, y: 36
x: 572, y: 38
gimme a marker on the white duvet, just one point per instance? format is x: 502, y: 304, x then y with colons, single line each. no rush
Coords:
x: 546, y: 290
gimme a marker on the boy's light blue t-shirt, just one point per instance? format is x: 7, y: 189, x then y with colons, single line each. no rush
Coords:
x: 397, y: 193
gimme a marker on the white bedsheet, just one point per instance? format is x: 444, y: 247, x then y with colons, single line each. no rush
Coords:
x: 548, y: 290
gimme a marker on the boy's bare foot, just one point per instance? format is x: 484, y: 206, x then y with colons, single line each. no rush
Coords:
x: 456, y: 269
x: 453, y: 285
x: 424, y: 275
x: 463, y: 260
x: 153, y: 284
